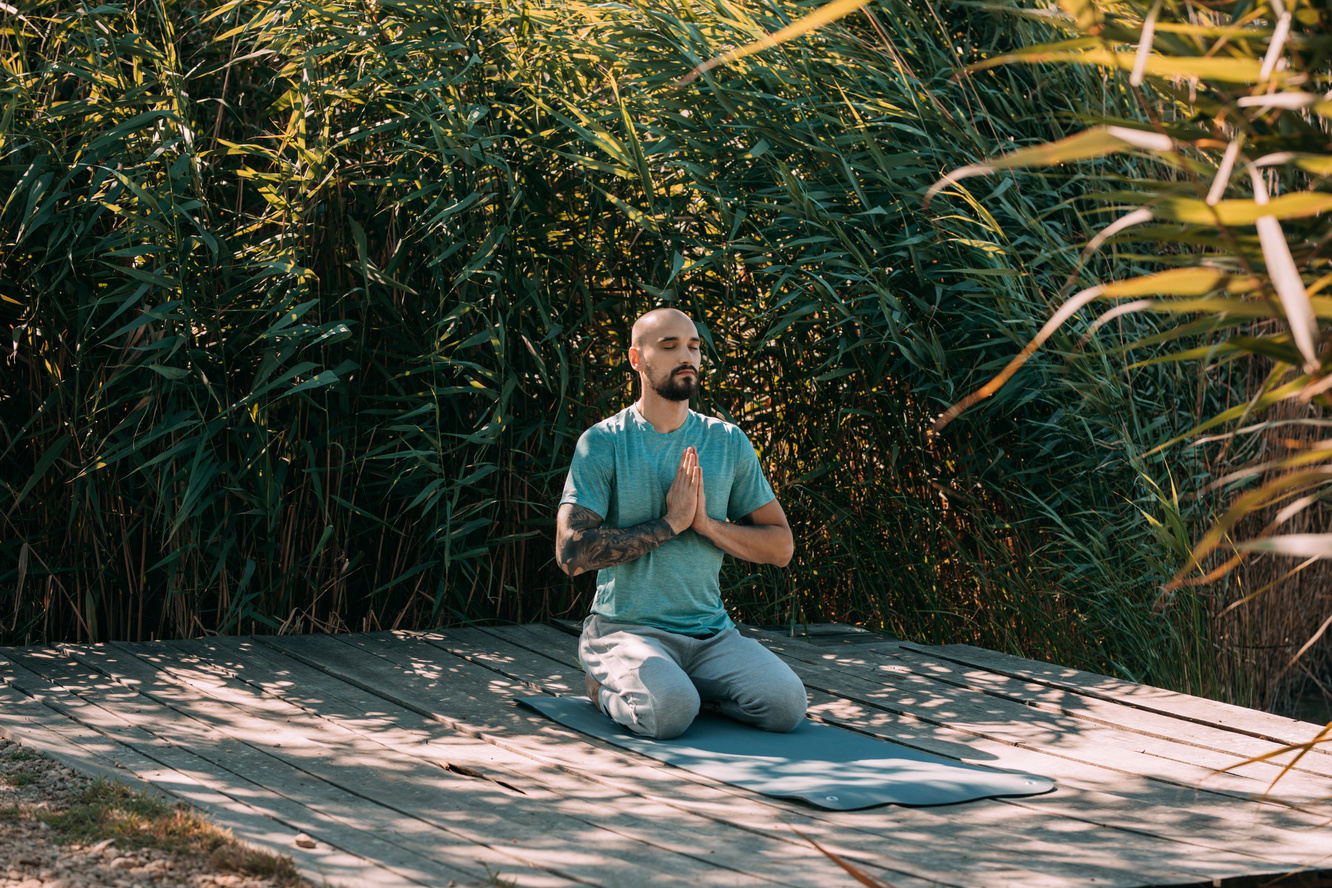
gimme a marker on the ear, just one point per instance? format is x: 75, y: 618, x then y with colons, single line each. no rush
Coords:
x: 634, y: 357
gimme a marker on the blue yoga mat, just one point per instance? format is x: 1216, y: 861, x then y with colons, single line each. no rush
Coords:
x: 823, y: 765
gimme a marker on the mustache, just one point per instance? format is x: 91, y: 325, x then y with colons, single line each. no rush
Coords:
x: 683, y: 369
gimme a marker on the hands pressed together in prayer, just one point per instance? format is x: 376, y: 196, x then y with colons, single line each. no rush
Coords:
x: 686, y: 502
x: 765, y: 537
x: 582, y: 544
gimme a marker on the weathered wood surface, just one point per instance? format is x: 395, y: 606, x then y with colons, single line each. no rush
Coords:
x: 405, y: 757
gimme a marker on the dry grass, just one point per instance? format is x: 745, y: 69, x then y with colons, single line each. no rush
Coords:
x: 20, y: 779
x: 109, y: 810
x: 1273, y: 606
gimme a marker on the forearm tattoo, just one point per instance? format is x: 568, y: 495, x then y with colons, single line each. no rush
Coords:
x: 584, y: 545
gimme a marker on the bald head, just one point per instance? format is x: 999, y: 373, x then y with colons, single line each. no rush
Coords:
x: 649, y: 326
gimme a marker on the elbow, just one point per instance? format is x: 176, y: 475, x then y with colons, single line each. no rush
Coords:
x: 562, y: 557
x: 568, y: 566
x: 785, y: 554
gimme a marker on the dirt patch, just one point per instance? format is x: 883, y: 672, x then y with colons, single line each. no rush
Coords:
x: 61, y: 829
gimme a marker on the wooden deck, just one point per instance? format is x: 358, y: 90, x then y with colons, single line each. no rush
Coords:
x: 405, y: 758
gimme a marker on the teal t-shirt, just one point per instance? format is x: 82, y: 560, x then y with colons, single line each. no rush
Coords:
x: 621, y: 470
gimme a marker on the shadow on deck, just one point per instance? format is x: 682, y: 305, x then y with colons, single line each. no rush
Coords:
x: 404, y: 756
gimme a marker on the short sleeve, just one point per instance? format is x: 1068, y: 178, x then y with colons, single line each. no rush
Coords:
x: 750, y: 490
x: 591, y: 478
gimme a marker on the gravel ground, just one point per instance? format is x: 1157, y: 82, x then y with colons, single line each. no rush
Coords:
x: 31, y: 855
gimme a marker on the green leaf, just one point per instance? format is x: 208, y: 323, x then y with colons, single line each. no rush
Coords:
x: 326, y: 377
x: 637, y: 216
x: 48, y: 458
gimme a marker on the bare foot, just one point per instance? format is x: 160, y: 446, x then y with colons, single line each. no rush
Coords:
x: 593, y: 691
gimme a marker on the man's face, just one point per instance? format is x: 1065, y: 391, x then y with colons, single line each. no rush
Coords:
x: 668, y: 356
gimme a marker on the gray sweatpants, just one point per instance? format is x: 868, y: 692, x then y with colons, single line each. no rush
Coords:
x: 653, y: 681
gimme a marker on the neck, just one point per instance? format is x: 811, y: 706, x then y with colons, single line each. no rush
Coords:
x: 663, y: 415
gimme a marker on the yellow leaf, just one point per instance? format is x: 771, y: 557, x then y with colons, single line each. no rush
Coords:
x: 1085, y: 14
x: 1222, y: 70
x: 1175, y: 282
x: 1082, y: 146
x: 824, y: 15
x: 1297, y: 205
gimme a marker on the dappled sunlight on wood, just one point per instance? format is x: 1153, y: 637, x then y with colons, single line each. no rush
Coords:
x: 405, y: 754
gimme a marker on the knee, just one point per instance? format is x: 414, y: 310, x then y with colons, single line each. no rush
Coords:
x: 786, y: 706
x: 667, y: 723
x: 672, y: 706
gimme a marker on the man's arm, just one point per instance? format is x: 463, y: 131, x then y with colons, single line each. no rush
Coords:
x: 765, y: 540
x: 582, y: 544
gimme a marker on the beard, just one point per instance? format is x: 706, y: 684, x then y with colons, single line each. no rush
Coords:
x: 674, y: 387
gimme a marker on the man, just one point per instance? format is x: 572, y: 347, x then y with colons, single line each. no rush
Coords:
x: 655, y: 495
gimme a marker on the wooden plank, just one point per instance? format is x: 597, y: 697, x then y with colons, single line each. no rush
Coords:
x: 1238, y: 719
x: 1137, y: 805
x: 319, y: 694
x: 529, y: 821
x: 831, y: 635
x: 579, y: 800
x: 1074, y: 702
x: 493, y: 818
x: 1078, y: 706
x: 1124, y: 843
x: 573, y: 679
x: 475, y: 701
x: 1014, y: 722
x: 1016, y: 842
x: 903, y: 681
x: 819, y: 634
x: 1123, y: 800
x: 1203, y: 824
x: 244, y: 807
x: 28, y: 719
x: 860, y: 837
x: 202, y: 744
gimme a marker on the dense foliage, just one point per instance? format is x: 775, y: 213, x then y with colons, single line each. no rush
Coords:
x: 1239, y: 130
x: 308, y: 304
